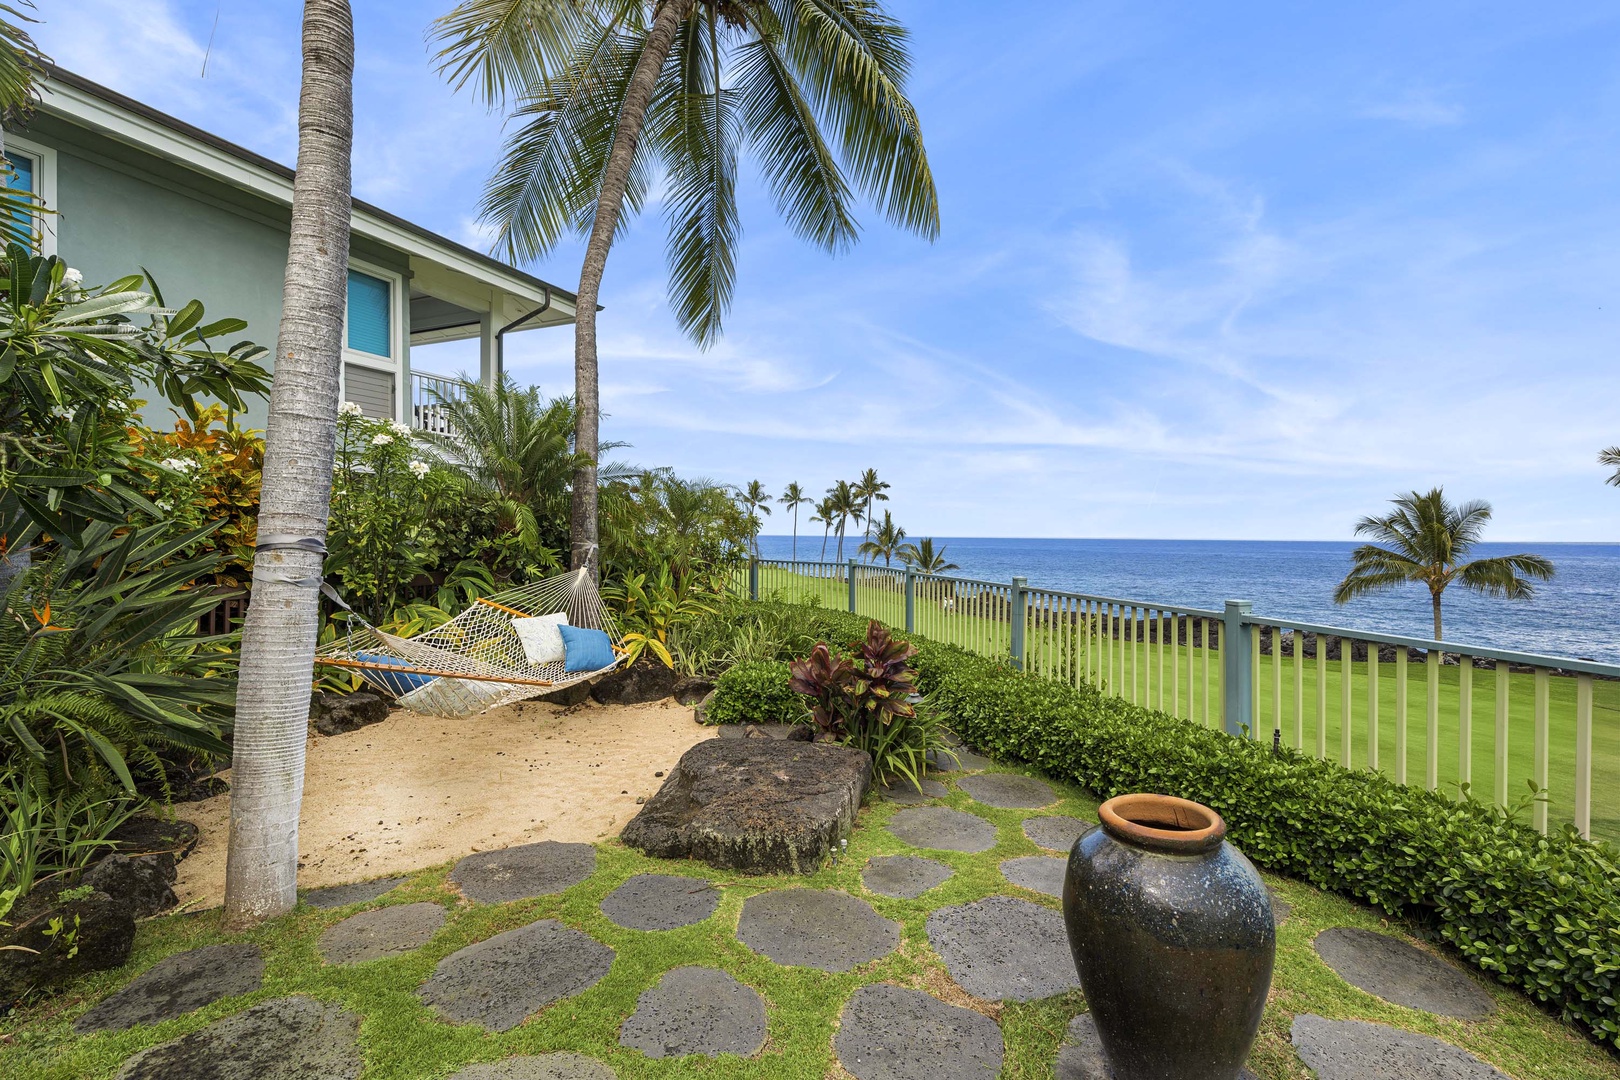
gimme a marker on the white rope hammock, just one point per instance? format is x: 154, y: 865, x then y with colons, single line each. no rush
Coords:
x: 476, y: 661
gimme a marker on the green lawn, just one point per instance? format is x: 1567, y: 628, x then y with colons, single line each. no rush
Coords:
x: 1138, y: 663
x: 403, y: 1040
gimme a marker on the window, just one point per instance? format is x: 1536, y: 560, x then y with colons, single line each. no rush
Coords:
x: 370, y: 326
x: 34, y: 169
x: 24, y: 177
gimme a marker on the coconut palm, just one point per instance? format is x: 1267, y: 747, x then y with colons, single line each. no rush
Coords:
x: 278, y: 637
x: 793, y: 497
x: 867, y: 489
x: 611, y: 95
x: 755, y: 498
x: 885, y: 541
x: 1427, y: 540
x: 826, y: 515
x: 922, y: 557
x: 1611, y: 458
x: 846, y: 506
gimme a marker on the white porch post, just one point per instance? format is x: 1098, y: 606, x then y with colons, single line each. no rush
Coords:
x: 486, y: 349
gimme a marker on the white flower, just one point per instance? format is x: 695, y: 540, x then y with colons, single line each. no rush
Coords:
x: 362, y: 468
x: 399, y: 429
x: 381, y: 440
x: 182, y: 465
x: 349, y: 408
x: 71, y: 278
x: 419, y: 468
x: 164, y: 505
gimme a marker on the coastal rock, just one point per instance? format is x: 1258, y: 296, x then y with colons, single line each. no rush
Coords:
x: 335, y: 714
x: 139, y: 881
x: 644, y: 681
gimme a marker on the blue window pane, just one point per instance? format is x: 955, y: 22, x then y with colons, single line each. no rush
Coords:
x: 22, y: 179
x: 368, y: 314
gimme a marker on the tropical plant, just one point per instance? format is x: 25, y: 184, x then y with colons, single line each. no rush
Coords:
x: 1611, y: 458
x: 756, y: 499
x: 884, y: 541
x: 826, y: 515
x: 653, y: 519
x: 1426, y: 542
x: 736, y: 633
x: 756, y: 692
x: 42, y: 837
x: 869, y: 488
x: 611, y: 93
x: 649, y: 614
x: 845, y: 505
x: 283, y: 622
x: 793, y: 496
x: 922, y: 557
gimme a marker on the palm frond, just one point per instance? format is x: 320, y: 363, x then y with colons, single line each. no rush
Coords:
x: 505, y: 47
x: 1506, y: 575
x: 1611, y: 458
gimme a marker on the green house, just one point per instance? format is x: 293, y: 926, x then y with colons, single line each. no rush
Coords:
x: 132, y: 187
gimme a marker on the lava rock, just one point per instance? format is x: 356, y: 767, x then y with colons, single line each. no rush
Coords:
x: 139, y: 880
x: 761, y: 806
x: 336, y: 896
x: 904, y: 877
x: 383, y: 932
x: 145, y: 836
x: 1038, y: 873
x: 661, y: 902
x: 643, y: 681
x: 943, y: 829
x: 1057, y: 832
x: 292, y: 1038
x: 892, y: 1033
x: 562, y: 1065
x: 95, y: 933
x: 501, y: 981
x: 568, y: 696
x: 517, y: 873
x: 177, y: 985
x: 696, y: 1010
x: 1008, y: 791
x: 1082, y: 1057
x: 1358, y: 1050
x: 692, y: 689
x: 335, y: 714
x: 1002, y: 949
x: 816, y: 928
x: 1389, y: 968
x: 903, y: 791
x: 786, y: 732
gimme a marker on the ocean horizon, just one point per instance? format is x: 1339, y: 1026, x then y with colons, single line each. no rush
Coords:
x: 1573, y: 615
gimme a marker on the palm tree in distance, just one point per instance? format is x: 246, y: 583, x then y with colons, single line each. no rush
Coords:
x: 922, y: 557
x: 1426, y: 542
x: 885, y: 541
x: 756, y: 499
x: 793, y: 497
x: 868, y: 488
x: 846, y: 505
x: 616, y: 99
x: 826, y: 515
x: 1611, y: 458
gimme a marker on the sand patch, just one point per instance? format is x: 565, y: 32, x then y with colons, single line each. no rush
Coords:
x: 415, y: 791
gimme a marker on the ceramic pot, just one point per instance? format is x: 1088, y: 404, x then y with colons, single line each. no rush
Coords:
x: 1173, y: 938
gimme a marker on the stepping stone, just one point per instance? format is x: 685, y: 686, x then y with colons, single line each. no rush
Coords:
x: 560, y: 1066
x: 965, y: 760
x: 1357, y: 1050
x: 389, y: 931
x: 177, y: 985
x: 892, y: 1033
x: 696, y: 1010
x: 1008, y: 791
x: 906, y: 793
x: 501, y: 981
x: 1082, y: 1055
x: 358, y: 893
x: 1280, y: 909
x: 943, y: 829
x: 815, y: 928
x: 1395, y: 971
x: 1040, y: 873
x: 904, y: 877
x: 291, y: 1038
x: 1004, y: 949
x: 517, y: 873
x: 661, y: 902
x: 1056, y: 833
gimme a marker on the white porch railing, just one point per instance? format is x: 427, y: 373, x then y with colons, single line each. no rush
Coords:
x: 429, y: 393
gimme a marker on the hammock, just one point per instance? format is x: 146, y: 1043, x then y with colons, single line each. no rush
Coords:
x: 476, y: 660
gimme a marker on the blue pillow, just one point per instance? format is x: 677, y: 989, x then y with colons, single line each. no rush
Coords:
x: 585, y: 649
x: 398, y: 683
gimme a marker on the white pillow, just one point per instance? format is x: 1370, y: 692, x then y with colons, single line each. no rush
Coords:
x: 542, y: 641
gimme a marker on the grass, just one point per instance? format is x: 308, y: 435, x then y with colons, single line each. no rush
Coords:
x: 403, y: 1040
x: 1131, y: 662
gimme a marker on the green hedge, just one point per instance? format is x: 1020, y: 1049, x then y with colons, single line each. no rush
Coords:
x: 756, y: 693
x: 1539, y: 913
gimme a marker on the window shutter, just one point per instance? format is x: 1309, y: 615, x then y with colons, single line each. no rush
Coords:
x: 369, y: 330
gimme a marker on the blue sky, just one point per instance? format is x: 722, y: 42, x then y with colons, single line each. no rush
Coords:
x: 1237, y: 271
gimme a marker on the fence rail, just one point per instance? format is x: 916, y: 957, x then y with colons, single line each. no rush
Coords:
x: 1549, y: 723
x: 429, y: 395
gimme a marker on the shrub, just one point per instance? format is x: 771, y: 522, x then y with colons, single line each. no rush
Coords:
x: 756, y: 693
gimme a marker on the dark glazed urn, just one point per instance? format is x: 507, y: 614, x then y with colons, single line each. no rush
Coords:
x: 1173, y: 939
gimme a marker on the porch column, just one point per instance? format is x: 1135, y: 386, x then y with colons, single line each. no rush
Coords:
x: 486, y: 348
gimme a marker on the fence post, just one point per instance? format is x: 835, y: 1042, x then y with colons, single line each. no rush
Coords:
x: 753, y: 577
x: 911, y: 600
x: 1016, y: 614
x: 1237, y: 676
x: 852, y: 586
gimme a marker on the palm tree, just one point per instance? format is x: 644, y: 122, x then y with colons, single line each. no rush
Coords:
x: 793, y: 497
x: 922, y: 557
x: 1427, y: 540
x: 611, y: 93
x: 826, y: 515
x: 885, y: 541
x: 1611, y: 458
x: 868, y: 488
x: 846, y: 505
x: 755, y: 498
x: 278, y: 637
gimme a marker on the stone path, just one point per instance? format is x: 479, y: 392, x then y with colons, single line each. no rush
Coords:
x: 1008, y: 791
x: 1040, y: 873
x: 966, y: 761
x: 906, y: 793
x: 696, y: 1010
x: 1280, y: 909
x: 177, y: 985
x: 500, y: 981
x: 292, y: 1038
x: 1082, y: 1057
x: 892, y: 1033
x: 943, y: 829
x: 1357, y: 1050
x: 517, y: 873
x: 389, y: 931
x: 904, y: 877
x: 816, y: 928
x: 661, y: 902
x: 1004, y: 949
x: 1055, y: 833
x: 563, y: 1066
x: 358, y: 893
x: 1395, y: 971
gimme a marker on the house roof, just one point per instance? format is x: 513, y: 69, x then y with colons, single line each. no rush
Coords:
x: 84, y: 101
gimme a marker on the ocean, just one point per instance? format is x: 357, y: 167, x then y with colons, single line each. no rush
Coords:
x: 1573, y: 615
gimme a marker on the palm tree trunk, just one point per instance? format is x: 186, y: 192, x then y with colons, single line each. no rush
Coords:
x: 826, y: 529
x: 582, y: 530
x: 795, y: 532
x: 1436, y: 598
x: 278, y: 638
